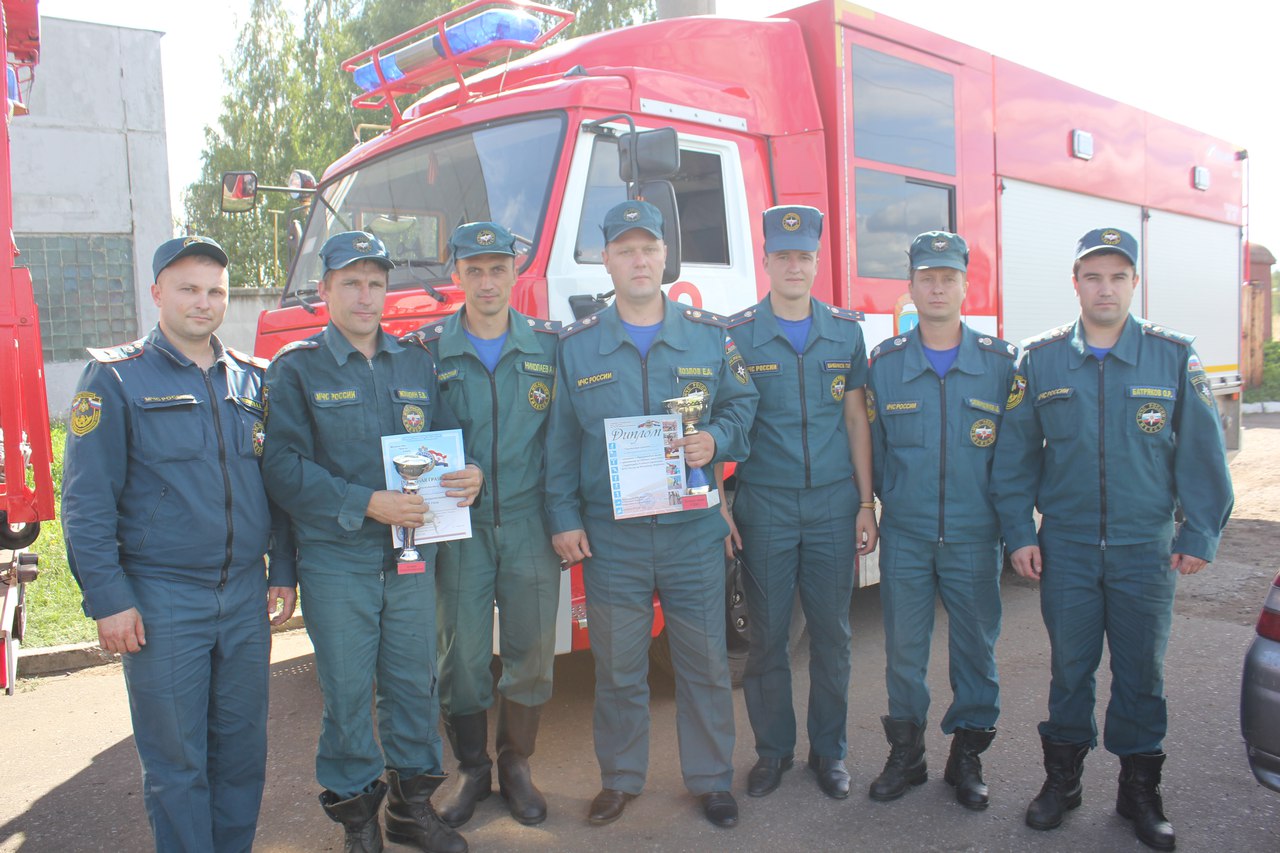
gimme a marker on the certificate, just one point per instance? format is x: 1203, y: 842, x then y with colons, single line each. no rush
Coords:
x: 646, y: 469
x: 444, y: 449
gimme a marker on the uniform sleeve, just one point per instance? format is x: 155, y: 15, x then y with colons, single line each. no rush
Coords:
x: 1015, y: 471
x: 563, y: 458
x: 282, y: 552
x: 734, y: 406
x: 858, y: 370
x: 878, y: 444
x: 308, y: 492
x: 96, y: 463
x: 1202, y: 482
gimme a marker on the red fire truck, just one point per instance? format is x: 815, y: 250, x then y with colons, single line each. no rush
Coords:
x: 26, y: 482
x: 890, y: 129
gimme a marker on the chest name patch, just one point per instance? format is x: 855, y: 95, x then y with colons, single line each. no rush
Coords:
x: 1054, y: 394
x: 903, y: 406
x: 695, y: 371
x: 595, y: 379
x: 757, y: 369
x: 335, y: 396
x: 539, y: 368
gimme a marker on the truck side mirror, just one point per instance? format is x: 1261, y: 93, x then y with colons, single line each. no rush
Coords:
x: 239, y: 191
x: 662, y: 195
x: 654, y: 153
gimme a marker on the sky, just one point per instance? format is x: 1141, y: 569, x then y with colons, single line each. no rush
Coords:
x: 1211, y: 66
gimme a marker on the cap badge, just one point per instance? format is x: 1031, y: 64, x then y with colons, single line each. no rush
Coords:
x: 791, y: 222
x: 486, y: 238
x: 361, y: 244
x: 190, y: 240
x: 1111, y: 237
x: 940, y: 244
x: 631, y: 214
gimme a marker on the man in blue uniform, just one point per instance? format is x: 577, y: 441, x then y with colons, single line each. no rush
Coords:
x: 371, y: 620
x: 625, y: 361
x: 166, y: 522
x: 804, y: 509
x: 936, y: 397
x: 497, y: 369
x: 1110, y: 428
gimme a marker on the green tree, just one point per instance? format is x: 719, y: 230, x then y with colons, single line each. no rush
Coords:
x: 288, y: 105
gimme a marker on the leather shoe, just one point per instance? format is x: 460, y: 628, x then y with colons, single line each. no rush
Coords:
x: 833, y: 778
x: 720, y: 808
x: 608, y: 806
x: 766, y: 776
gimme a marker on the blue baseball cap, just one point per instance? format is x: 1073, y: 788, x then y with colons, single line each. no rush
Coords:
x: 792, y: 227
x: 621, y: 218
x: 481, y: 238
x: 934, y: 249
x: 1108, y: 240
x: 183, y: 247
x: 342, y: 250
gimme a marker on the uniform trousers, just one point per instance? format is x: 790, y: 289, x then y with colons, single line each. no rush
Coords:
x: 1125, y: 594
x: 198, y: 698
x: 913, y: 574
x: 374, y: 635
x: 684, y: 564
x: 514, y: 565
x: 798, y: 539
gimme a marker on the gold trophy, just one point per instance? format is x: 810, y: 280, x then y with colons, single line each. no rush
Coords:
x: 411, y: 466
x: 690, y: 409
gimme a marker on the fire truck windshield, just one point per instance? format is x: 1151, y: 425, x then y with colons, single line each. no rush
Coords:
x: 413, y: 198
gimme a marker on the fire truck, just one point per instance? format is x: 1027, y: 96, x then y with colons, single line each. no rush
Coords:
x: 26, y: 481
x: 890, y: 129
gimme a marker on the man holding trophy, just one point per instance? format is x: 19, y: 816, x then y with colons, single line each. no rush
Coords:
x: 496, y: 372
x: 627, y: 360
x: 371, y: 616
x: 803, y: 506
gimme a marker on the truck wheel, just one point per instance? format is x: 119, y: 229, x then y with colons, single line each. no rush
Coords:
x: 16, y: 536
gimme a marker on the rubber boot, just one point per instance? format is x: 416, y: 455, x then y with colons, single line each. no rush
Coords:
x: 412, y: 820
x: 906, y: 765
x: 469, y: 736
x: 964, y: 768
x: 358, y: 816
x: 1061, y: 792
x: 517, y: 734
x: 1139, y: 800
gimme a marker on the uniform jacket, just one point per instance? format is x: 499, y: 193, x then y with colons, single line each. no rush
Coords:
x: 601, y: 375
x: 934, y: 438
x: 328, y: 409
x: 799, y: 439
x: 164, y: 475
x: 503, y: 414
x: 1107, y: 450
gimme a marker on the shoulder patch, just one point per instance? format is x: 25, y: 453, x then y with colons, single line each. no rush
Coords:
x: 699, y: 316
x: 124, y: 352
x: 295, y: 346
x: 990, y: 344
x: 847, y: 314
x: 1047, y: 337
x: 888, y: 345
x: 551, y: 327
x: 245, y: 358
x: 744, y: 316
x: 1158, y: 331
x: 585, y: 323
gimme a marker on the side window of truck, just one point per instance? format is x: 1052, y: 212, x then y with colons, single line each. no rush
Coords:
x: 903, y: 116
x: 704, y: 229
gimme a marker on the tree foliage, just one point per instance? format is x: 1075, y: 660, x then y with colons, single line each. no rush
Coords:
x: 288, y: 105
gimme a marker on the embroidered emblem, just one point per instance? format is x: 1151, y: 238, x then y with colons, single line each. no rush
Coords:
x: 791, y: 221
x: 486, y: 238
x: 412, y: 418
x: 1017, y: 392
x: 539, y: 396
x: 983, y: 432
x: 259, y: 437
x: 871, y: 406
x: 837, y: 388
x: 1152, y: 417
x: 694, y: 388
x: 86, y: 412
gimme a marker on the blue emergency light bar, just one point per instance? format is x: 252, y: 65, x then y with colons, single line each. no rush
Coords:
x: 490, y: 26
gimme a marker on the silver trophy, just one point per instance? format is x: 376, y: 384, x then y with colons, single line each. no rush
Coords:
x: 411, y: 466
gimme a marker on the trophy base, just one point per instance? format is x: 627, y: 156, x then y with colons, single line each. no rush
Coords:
x: 410, y: 567
x: 696, y: 499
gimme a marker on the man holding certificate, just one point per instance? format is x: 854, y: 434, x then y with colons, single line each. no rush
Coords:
x: 804, y: 504
x: 371, y: 619
x: 496, y: 371
x: 628, y: 360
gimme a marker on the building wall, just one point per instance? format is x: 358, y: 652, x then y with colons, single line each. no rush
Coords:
x: 91, y: 190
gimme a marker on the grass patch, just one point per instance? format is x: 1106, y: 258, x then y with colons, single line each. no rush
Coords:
x: 54, y: 616
x: 1270, y: 388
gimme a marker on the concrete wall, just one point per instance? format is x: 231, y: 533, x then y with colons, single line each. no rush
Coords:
x: 241, y: 324
x: 90, y: 166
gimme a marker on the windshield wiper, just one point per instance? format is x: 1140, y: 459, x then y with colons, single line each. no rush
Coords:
x: 412, y: 264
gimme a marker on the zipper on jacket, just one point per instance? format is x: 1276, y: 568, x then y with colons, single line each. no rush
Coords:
x: 942, y: 458
x: 804, y: 422
x: 493, y: 486
x: 1102, y: 454
x: 214, y: 401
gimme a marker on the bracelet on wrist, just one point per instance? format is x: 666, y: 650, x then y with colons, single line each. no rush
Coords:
x: 867, y: 505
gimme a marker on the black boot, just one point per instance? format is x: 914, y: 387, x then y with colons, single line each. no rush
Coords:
x: 358, y: 816
x: 1139, y: 799
x: 517, y: 733
x: 1061, y: 792
x: 964, y: 768
x: 906, y: 765
x: 469, y: 736
x: 412, y: 820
